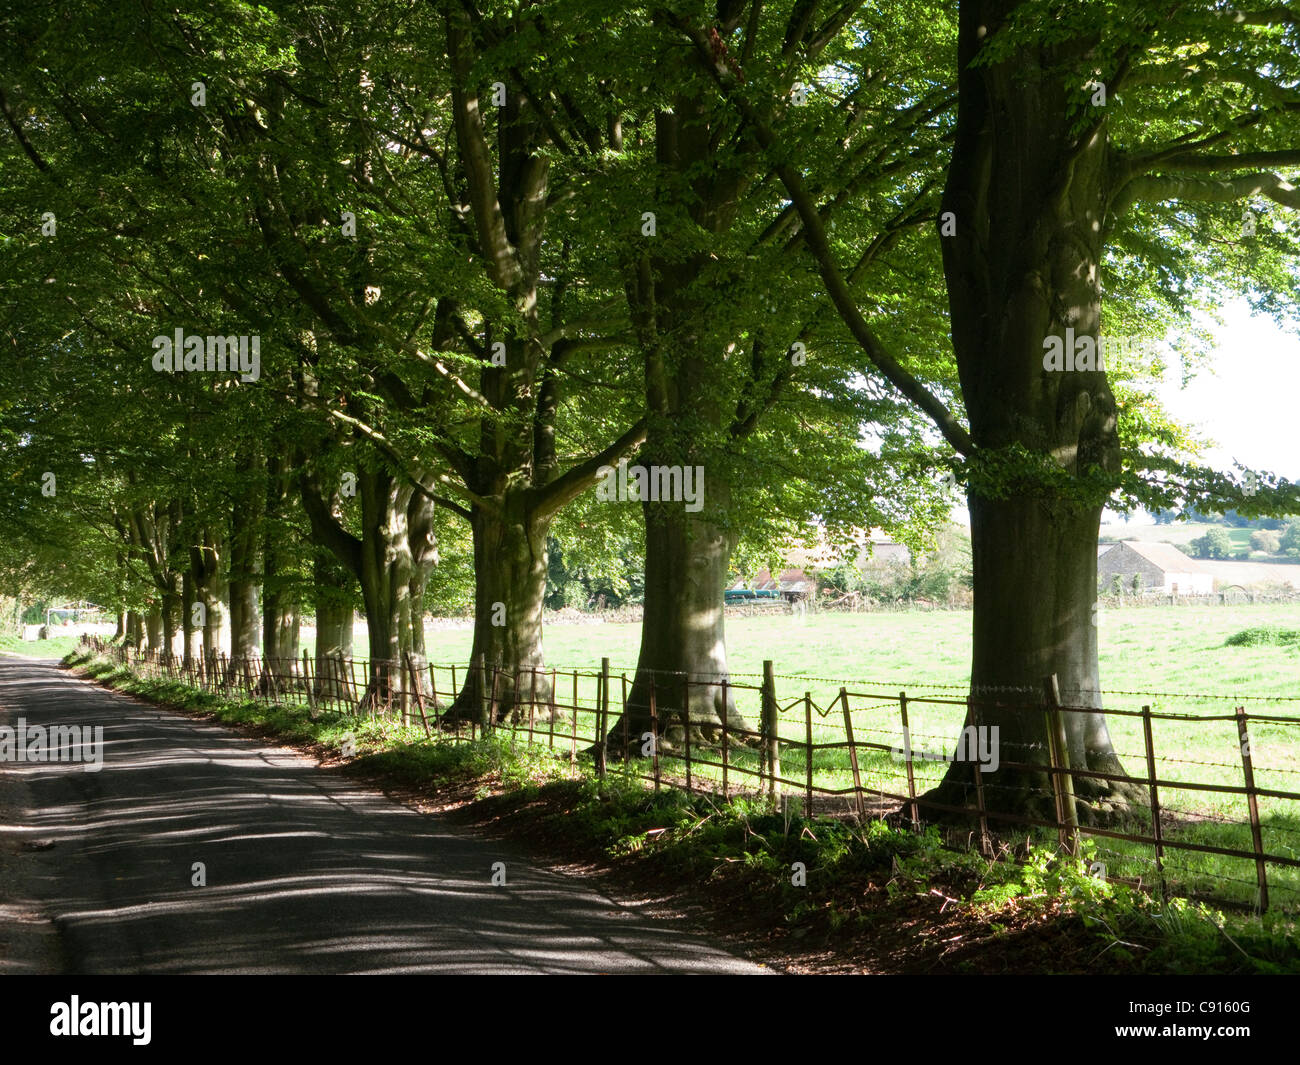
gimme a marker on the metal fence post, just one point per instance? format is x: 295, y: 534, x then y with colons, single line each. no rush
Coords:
x: 911, y: 774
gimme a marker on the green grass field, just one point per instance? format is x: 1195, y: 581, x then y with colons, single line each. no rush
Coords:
x: 1165, y: 649
x: 52, y: 648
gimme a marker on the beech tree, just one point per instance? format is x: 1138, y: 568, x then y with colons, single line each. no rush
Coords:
x: 735, y: 333
x: 1080, y: 136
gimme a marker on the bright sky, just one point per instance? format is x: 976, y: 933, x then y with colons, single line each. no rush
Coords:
x: 1247, y: 400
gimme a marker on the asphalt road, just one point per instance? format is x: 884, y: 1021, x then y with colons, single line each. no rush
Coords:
x: 306, y: 871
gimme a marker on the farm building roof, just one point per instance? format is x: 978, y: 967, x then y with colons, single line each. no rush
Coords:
x: 1166, y: 556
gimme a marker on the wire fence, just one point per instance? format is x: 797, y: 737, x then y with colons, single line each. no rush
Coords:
x: 1210, y: 815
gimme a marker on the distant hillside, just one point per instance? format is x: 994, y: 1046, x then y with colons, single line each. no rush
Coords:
x: 1180, y: 533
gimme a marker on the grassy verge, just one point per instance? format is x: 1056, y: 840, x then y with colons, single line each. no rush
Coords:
x: 56, y: 647
x: 815, y: 894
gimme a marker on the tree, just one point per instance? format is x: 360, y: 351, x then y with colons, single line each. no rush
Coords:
x: 1290, y: 540
x: 726, y: 310
x: 1214, y: 544
x: 1048, y: 198
x: 1051, y: 185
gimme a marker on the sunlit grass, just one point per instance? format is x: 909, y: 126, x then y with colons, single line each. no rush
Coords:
x: 56, y: 647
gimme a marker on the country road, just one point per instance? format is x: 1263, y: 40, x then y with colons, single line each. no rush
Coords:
x: 306, y: 871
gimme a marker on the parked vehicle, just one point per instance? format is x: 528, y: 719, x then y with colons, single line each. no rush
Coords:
x: 744, y: 595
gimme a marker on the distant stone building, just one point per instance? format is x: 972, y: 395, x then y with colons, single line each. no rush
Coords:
x: 1159, y: 569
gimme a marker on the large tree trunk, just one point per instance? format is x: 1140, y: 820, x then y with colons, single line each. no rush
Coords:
x: 683, y: 647
x: 389, y: 559
x: 509, y: 586
x: 388, y: 568
x: 280, y: 598
x: 287, y: 637
x: 424, y: 555
x: 245, y: 627
x: 1027, y: 190
x: 191, y: 633
x: 171, y: 605
x: 334, y: 619
x: 1035, y: 568
x: 214, y: 616
x: 153, y: 621
x: 205, y: 574
x: 245, y: 620
x: 245, y: 574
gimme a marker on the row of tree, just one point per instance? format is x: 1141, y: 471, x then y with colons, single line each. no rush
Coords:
x: 458, y: 260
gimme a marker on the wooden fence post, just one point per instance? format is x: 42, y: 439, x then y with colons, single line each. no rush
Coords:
x: 686, y: 740
x: 532, y: 700
x: 853, y: 757
x: 725, y: 795
x: 771, y: 750
x: 352, y: 676
x: 911, y: 774
x: 550, y: 708
x: 654, y: 730
x: 419, y: 697
x: 306, y: 681
x: 573, y: 736
x: 808, y: 747
x: 404, y: 697
x: 602, y: 712
x: 627, y: 757
x: 1156, y: 830
x: 481, y: 672
x: 1256, y: 834
x: 494, y: 708
x: 973, y: 715
x: 1060, y: 755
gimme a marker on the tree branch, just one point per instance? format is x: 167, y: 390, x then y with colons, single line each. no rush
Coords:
x: 1208, y: 190
x: 566, y: 488
x: 815, y: 238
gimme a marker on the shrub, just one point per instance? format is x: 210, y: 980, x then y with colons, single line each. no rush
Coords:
x: 1266, y: 540
x: 1263, y: 635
